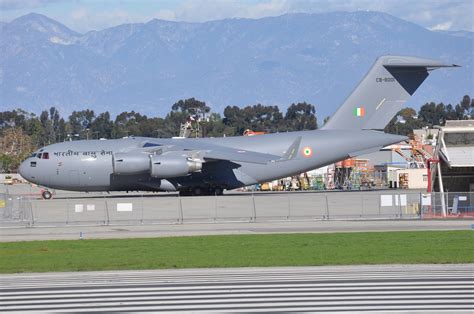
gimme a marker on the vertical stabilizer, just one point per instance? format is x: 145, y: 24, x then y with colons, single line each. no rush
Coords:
x: 382, y: 92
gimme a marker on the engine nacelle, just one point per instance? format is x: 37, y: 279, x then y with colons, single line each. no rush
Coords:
x: 130, y: 163
x: 173, y: 165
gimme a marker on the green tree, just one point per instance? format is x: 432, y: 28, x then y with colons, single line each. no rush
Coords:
x: 181, y: 111
x: 256, y: 118
x: 48, y: 134
x: 191, y: 106
x: 129, y: 124
x: 404, y: 122
x: 153, y: 127
x: 214, y: 126
x: 326, y: 120
x: 14, y: 118
x: 62, y: 130
x: 301, y: 116
x: 432, y: 114
x: 80, y: 123
x: 465, y: 109
x: 102, y: 126
x: 234, y: 119
x: 54, y: 118
x: 34, y: 129
x: 15, y: 146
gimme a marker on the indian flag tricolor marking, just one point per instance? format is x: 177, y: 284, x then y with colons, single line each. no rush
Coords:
x: 359, y: 112
x: 307, y: 151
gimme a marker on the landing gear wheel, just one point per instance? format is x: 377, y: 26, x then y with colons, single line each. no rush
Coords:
x: 185, y: 193
x: 197, y: 191
x: 46, y: 195
x: 201, y: 191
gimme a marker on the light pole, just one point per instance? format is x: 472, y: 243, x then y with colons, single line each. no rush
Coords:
x: 71, y: 136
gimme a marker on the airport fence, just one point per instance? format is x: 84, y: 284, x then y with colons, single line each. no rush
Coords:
x: 18, y: 210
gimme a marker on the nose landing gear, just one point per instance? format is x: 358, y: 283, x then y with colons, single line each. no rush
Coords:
x: 46, y: 195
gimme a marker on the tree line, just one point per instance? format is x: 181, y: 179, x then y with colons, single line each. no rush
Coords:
x: 22, y: 132
x: 429, y: 115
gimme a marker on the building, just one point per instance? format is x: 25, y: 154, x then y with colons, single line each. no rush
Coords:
x: 455, y: 150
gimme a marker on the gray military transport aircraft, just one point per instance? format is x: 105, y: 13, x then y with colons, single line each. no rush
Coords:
x: 203, y: 166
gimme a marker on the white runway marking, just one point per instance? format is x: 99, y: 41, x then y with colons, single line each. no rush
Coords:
x: 327, y: 288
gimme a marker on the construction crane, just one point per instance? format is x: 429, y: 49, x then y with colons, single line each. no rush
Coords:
x: 190, y: 127
x: 417, y: 158
x: 249, y: 132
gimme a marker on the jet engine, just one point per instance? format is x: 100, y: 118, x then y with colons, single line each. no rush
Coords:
x: 130, y: 163
x: 173, y: 165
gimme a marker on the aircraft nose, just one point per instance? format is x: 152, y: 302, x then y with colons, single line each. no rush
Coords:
x: 23, y: 169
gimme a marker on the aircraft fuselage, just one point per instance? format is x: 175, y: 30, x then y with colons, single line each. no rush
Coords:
x: 88, y: 165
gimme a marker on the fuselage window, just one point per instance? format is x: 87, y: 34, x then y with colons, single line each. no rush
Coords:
x: 45, y: 155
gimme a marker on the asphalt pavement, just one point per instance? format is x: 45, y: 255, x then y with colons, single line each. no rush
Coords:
x: 73, y: 232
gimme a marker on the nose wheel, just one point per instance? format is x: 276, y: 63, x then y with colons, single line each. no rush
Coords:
x: 47, y: 195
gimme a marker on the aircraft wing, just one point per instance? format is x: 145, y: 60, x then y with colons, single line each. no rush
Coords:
x: 226, y: 153
x: 212, y: 152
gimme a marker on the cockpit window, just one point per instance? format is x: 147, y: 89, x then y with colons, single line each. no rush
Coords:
x: 45, y: 155
x: 39, y: 155
x: 148, y: 144
x: 33, y: 155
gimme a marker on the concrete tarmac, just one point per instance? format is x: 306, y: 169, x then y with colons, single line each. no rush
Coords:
x: 34, y: 191
x: 192, y: 229
x: 375, y: 288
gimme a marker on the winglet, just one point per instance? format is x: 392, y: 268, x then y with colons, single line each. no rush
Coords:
x: 292, y: 150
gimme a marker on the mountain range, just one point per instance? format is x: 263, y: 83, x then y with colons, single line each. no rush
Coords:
x: 317, y: 58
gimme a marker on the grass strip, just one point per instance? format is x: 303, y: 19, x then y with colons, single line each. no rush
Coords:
x: 437, y: 247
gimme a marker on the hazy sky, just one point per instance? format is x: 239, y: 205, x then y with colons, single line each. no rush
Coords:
x: 85, y: 15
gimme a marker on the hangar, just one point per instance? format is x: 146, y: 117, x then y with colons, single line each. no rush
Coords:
x: 455, y: 150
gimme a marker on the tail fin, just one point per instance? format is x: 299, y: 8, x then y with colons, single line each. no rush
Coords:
x: 382, y: 92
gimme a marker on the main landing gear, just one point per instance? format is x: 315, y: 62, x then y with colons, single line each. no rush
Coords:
x: 202, y: 191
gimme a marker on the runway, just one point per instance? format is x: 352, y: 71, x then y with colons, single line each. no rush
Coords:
x: 73, y: 232
x: 439, y: 288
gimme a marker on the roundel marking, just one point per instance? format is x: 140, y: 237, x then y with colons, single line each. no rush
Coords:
x: 307, y: 151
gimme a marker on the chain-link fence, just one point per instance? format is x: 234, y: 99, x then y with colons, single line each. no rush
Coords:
x: 448, y: 204
x: 18, y: 210
x: 15, y: 209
